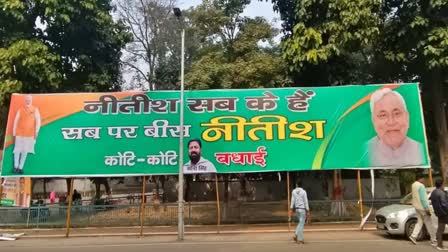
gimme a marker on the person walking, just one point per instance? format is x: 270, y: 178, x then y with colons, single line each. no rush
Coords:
x: 299, y: 204
x: 439, y: 201
x: 421, y: 205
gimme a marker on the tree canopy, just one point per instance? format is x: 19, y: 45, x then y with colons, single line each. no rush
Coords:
x: 235, y: 51
x: 58, y: 46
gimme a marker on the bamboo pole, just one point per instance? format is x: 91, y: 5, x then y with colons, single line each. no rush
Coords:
x: 2, y: 180
x: 361, y: 211
x: 1, y: 189
x: 289, y: 203
x: 431, y: 183
x: 142, y: 206
x: 69, y: 209
x: 217, y: 202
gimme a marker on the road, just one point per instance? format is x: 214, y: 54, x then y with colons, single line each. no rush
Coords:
x: 348, y: 241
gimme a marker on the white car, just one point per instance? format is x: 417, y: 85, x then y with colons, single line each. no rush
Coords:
x: 400, y: 219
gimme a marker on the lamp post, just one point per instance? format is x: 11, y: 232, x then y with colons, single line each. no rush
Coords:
x: 180, y: 210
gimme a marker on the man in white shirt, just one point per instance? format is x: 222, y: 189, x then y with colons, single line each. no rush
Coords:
x: 299, y: 204
x: 421, y: 205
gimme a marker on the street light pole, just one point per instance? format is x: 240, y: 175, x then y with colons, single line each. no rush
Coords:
x: 180, y: 210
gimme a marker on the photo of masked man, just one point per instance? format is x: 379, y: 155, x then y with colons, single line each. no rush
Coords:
x: 391, y: 146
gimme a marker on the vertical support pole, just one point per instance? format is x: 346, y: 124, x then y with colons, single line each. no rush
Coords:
x: 1, y: 189
x: 217, y: 202
x: 142, y: 206
x: 431, y: 182
x: 180, y: 210
x: 289, y: 203
x: 69, y: 209
x: 361, y: 210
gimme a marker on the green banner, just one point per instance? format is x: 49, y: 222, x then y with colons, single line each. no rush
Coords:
x: 254, y: 130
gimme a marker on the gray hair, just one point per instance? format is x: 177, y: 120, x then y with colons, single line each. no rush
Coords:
x: 379, y: 94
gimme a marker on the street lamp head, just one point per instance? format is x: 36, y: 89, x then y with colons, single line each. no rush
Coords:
x: 177, y: 12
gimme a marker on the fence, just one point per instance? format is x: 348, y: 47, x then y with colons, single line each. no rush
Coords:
x: 196, y: 213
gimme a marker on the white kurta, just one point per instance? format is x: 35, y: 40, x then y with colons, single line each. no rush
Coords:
x: 410, y: 153
x: 24, y: 144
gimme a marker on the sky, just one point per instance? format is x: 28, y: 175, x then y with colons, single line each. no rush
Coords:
x: 255, y: 8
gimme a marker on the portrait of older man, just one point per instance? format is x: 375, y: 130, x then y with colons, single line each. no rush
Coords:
x: 26, y: 128
x: 391, y: 146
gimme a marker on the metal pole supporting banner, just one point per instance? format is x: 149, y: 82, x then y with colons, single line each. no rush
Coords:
x: 142, y: 206
x: 1, y: 189
x: 431, y: 182
x: 217, y: 202
x: 289, y: 203
x: 180, y: 211
x: 361, y: 210
x: 69, y: 209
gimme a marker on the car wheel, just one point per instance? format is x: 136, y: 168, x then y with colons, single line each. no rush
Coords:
x: 410, y: 225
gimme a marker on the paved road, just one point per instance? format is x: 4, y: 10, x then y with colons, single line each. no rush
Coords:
x: 349, y: 241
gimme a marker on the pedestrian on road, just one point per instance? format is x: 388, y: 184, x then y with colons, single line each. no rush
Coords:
x: 439, y: 202
x: 299, y: 204
x: 421, y: 205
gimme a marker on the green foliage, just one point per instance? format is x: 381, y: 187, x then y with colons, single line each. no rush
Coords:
x: 89, y: 42
x: 397, y: 40
x: 416, y: 35
x: 230, y: 55
x: 58, y: 46
x: 326, y: 33
x: 27, y: 66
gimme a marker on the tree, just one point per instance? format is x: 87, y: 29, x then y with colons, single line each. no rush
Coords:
x: 25, y: 61
x: 24, y: 65
x: 153, y: 56
x: 58, y: 46
x: 230, y: 55
x: 88, y: 42
x: 98, y: 181
x: 329, y: 42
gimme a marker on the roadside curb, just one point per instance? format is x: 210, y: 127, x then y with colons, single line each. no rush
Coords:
x: 195, y: 233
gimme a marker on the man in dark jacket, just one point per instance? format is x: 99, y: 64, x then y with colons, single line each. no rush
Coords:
x: 440, y: 204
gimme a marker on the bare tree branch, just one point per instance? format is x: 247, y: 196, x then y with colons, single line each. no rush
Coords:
x: 138, y: 70
x: 152, y: 28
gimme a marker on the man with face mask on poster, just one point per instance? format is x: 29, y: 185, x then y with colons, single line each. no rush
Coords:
x: 391, y: 146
